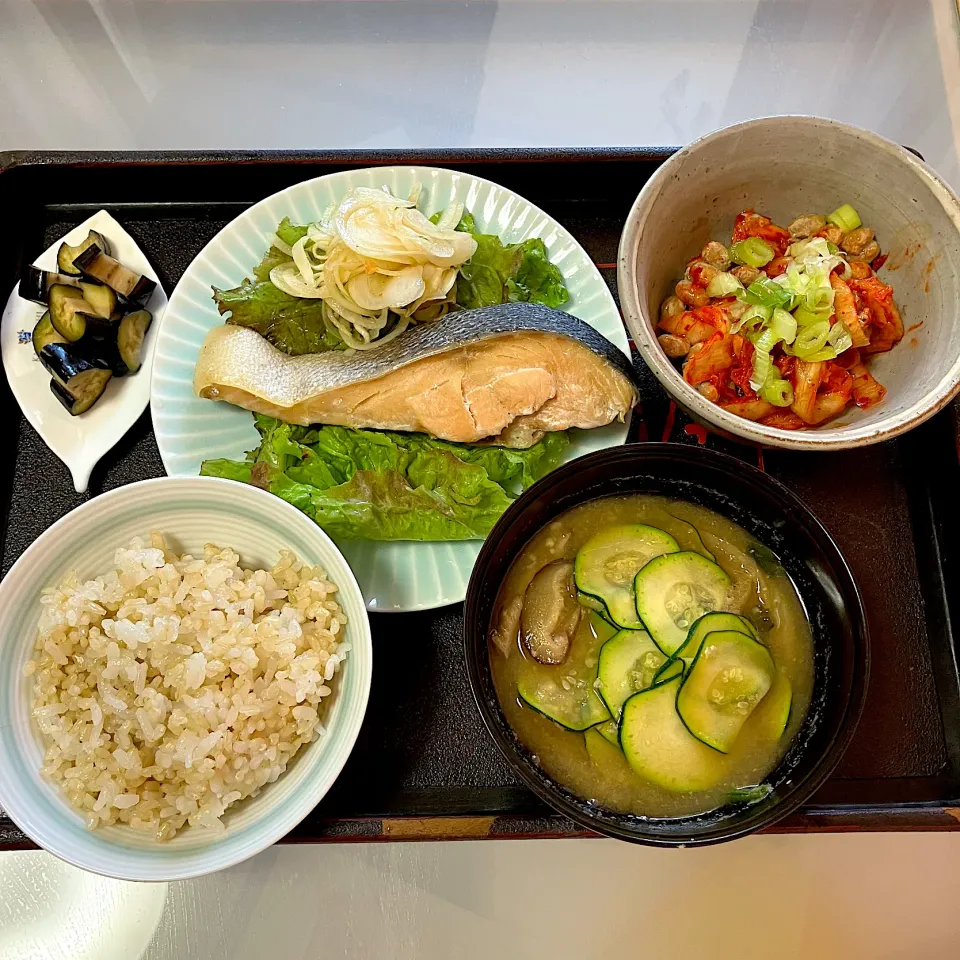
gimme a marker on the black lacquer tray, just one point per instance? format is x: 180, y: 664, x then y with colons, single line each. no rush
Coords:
x: 424, y: 767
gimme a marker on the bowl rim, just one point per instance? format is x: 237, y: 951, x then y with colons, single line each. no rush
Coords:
x: 476, y: 647
x: 191, y: 862
x: 809, y: 439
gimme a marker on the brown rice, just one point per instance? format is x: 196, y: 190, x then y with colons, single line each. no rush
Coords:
x: 174, y: 686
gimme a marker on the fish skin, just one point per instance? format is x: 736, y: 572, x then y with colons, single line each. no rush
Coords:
x: 471, y: 375
x: 336, y: 368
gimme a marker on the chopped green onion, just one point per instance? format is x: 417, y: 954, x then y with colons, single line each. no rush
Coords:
x: 845, y: 217
x: 811, y: 339
x: 758, y: 310
x: 803, y: 316
x: 827, y: 353
x: 778, y: 392
x: 783, y: 325
x: 736, y: 309
x: 763, y: 343
x: 765, y: 292
x: 752, y: 320
x: 840, y: 338
x: 820, y: 341
x: 723, y: 285
x: 813, y: 248
x: 753, y: 251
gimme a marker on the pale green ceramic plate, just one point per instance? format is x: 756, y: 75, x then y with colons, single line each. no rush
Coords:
x: 393, y: 576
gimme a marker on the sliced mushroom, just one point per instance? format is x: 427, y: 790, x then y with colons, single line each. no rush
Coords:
x: 504, y: 634
x: 550, y: 613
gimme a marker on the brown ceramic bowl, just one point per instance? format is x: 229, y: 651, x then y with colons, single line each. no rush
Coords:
x: 784, y: 167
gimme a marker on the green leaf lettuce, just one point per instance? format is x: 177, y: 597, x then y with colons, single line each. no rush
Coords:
x: 498, y: 273
x: 294, y: 325
x: 378, y: 485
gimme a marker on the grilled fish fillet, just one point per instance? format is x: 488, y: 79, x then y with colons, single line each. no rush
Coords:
x: 509, y: 385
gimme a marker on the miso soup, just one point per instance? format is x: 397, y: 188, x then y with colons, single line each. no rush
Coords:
x: 651, y: 655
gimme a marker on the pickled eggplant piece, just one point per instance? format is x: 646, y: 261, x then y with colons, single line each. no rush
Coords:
x: 68, y: 311
x: 130, y: 337
x: 35, y: 283
x: 97, y: 265
x: 89, y: 387
x: 102, y: 327
x: 67, y: 253
x: 100, y: 347
x: 100, y: 297
x: 44, y: 333
x: 78, y: 379
x: 64, y: 361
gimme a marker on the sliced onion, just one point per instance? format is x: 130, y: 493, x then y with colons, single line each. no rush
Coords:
x: 302, y: 260
x: 287, y: 278
x: 275, y: 241
x: 375, y: 291
x: 374, y: 254
x: 451, y: 216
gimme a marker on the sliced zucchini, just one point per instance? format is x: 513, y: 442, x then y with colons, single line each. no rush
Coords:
x: 130, y: 337
x: 68, y: 311
x: 576, y: 706
x: 730, y: 675
x: 753, y: 793
x: 601, y: 630
x: 35, y: 284
x: 593, y: 604
x: 673, y: 591
x: 609, y: 731
x: 568, y: 694
x: 605, y: 755
x: 67, y: 253
x: 132, y: 286
x: 44, y: 333
x: 100, y: 297
x: 659, y: 747
x: 89, y: 389
x: 674, y: 667
x: 628, y: 662
x: 773, y: 713
x: 710, y: 623
x: 608, y: 562
x: 694, y: 533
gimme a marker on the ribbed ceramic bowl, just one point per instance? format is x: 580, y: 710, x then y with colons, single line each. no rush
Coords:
x: 192, y: 512
x: 784, y: 167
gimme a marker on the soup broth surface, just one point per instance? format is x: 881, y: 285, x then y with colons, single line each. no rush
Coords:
x: 761, y: 591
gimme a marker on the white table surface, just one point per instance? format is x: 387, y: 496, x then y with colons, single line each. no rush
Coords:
x: 199, y: 74
x: 216, y: 74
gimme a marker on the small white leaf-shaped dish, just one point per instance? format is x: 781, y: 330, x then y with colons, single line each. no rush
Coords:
x: 80, y: 441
